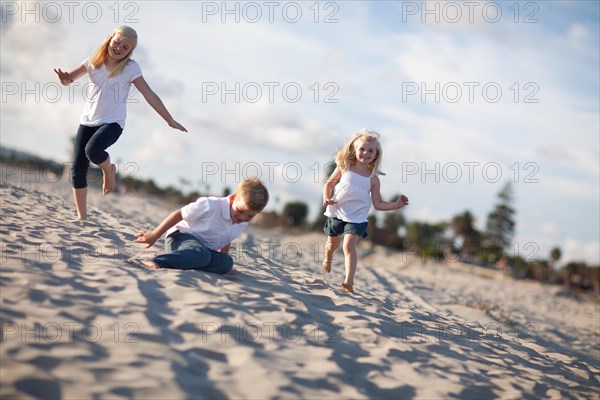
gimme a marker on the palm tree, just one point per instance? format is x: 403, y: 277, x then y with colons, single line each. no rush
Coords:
x: 555, y: 255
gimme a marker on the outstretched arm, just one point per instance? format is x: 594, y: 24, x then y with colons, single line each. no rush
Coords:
x: 149, y: 238
x: 156, y: 103
x: 329, y: 185
x: 66, y: 78
x: 381, y: 205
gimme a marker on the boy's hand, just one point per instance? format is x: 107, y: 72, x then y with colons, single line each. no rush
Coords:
x: 147, y: 238
x: 402, y: 201
x: 225, y: 249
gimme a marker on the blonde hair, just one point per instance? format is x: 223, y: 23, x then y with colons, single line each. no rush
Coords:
x: 346, y: 156
x: 101, y: 54
x: 253, y: 193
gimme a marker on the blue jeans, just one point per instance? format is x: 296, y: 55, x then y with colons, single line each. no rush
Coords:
x: 337, y: 227
x: 184, y: 251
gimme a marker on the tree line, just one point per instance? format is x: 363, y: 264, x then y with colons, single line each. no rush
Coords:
x: 458, y: 240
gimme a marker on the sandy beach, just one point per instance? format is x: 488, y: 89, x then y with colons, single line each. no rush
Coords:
x: 81, y: 318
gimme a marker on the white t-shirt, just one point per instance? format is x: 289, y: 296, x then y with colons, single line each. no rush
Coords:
x: 209, y: 220
x: 106, y: 97
x: 353, y: 196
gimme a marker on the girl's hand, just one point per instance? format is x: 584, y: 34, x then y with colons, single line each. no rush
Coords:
x: 65, y: 77
x: 329, y: 202
x: 147, y: 238
x: 176, y: 125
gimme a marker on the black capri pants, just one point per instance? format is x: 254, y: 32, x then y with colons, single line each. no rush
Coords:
x: 91, y: 143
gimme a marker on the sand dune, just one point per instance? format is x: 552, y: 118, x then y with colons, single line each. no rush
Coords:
x: 82, y: 319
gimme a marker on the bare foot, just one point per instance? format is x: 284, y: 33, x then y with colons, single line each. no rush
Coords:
x: 327, y: 264
x: 347, y: 288
x: 150, y: 264
x: 110, y: 180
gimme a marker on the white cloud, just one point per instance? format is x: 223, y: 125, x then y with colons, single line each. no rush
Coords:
x: 579, y: 33
x: 549, y: 229
x: 562, y: 188
x: 25, y: 42
x: 425, y: 214
x: 577, y: 250
x: 164, y: 148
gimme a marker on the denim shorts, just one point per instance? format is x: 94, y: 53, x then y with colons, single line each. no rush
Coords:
x: 337, y: 227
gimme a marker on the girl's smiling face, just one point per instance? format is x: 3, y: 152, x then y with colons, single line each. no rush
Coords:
x: 120, y: 46
x: 365, y: 152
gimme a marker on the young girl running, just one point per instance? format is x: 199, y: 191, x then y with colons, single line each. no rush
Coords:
x: 348, y: 194
x: 111, y: 72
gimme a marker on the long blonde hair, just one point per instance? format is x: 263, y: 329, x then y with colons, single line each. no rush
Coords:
x: 346, y: 156
x: 101, y: 54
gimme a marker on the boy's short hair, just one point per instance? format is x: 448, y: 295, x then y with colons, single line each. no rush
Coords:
x: 253, y: 193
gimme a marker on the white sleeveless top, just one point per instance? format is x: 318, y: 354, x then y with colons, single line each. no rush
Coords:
x: 353, y: 196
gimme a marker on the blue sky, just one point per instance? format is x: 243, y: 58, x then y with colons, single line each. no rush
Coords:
x: 466, y: 96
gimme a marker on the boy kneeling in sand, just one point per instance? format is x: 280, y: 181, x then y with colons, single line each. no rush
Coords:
x: 200, y: 233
